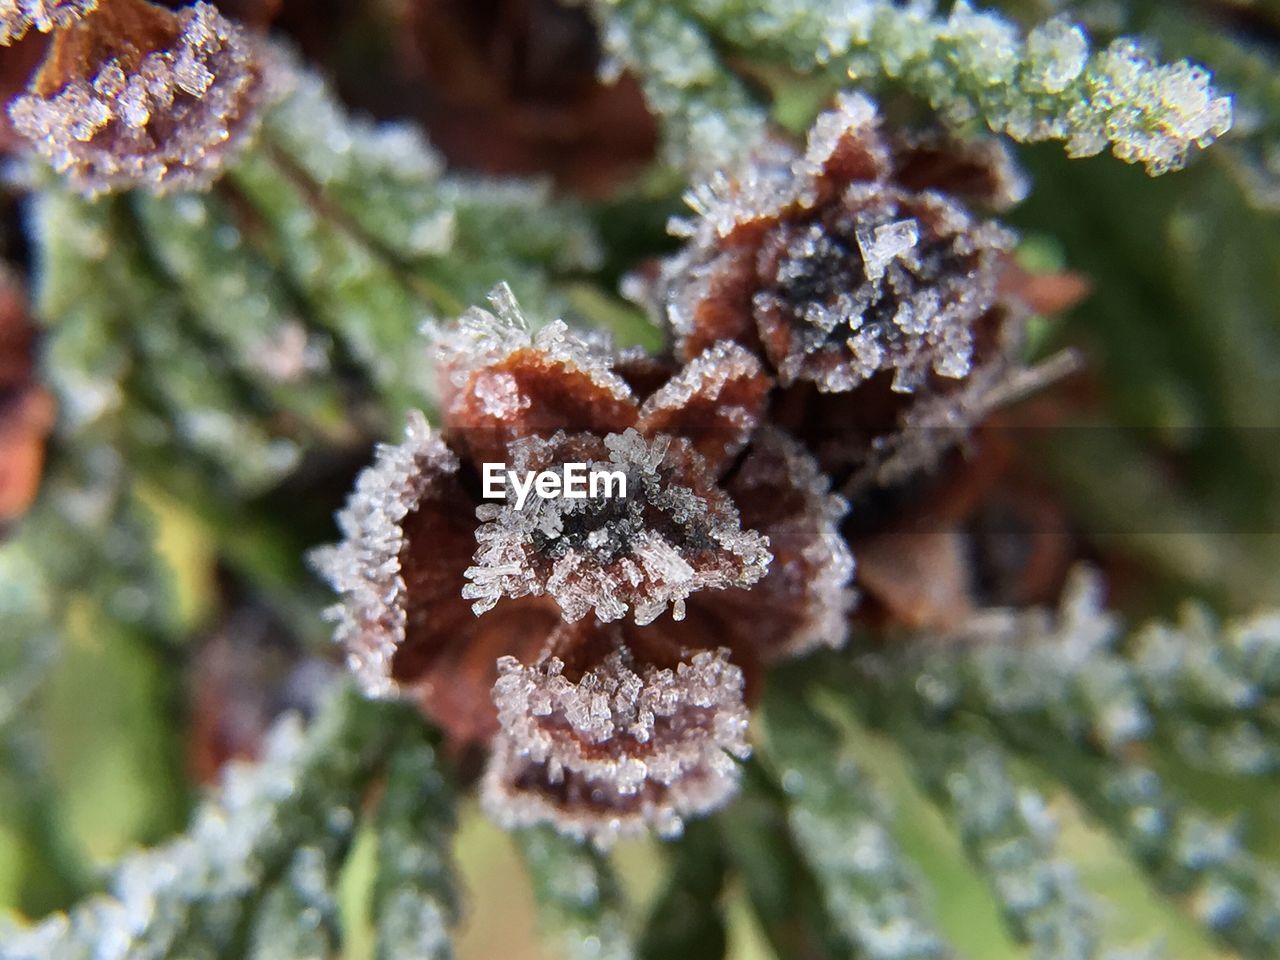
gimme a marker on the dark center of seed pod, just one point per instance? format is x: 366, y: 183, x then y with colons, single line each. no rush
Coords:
x: 656, y: 529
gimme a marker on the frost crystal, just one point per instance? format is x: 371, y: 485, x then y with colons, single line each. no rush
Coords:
x: 617, y: 749
x: 174, y: 97
x: 673, y: 533
x: 851, y: 263
x: 19, y: 16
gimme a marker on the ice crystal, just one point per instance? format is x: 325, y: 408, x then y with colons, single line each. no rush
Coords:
x: 671, y: 534
x: 619, y: 749
x: 19, y: 16
x: 164, y: 117
x: 837, y: 269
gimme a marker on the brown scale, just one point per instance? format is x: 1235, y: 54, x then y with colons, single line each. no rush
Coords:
x: 561, y: 399
x: 186, y: 135
x: 127, y: 30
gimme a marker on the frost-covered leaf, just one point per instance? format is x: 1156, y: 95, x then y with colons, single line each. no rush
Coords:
x: 414, y: 898
x: 839, y: 826
x: 968, y: 64
x: 579, y: 901
x: 291, y: 816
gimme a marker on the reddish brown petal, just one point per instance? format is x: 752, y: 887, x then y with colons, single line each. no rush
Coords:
x: 916, y: 580
x: 17, y: 64
x: 26, y: 408
x: 1043, y: 293
x: 980, y: 169
x: 25, y: 421
x: 500, y: 382
x: 409, y: 531
x: 715, y: 402
x: 616, y: 749
x: 804, y: 600
x: 454, y: 688
x: 410, y: 487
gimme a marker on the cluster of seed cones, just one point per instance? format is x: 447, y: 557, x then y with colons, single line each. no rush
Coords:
x: 837, y: 319
x: 131, y: 94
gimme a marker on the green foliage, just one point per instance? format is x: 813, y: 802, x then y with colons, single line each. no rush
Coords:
x: 837, y: 824
x: 968, y: 65
x: 578, y: 896
x: 255, y: 871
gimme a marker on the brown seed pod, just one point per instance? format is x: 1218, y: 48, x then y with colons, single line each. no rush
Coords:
x: 135, y: 95
x: 613, y: 588
x: 844, y: 261
x: 891, y: 314
x: 513, y: 87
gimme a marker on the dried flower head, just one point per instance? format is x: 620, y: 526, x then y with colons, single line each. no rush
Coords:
x: 19, y: 16
x: 892, y: 315
x: 133, y: 94
x: 614, y: 749
x: 726, y: 536
x: 846, y: 261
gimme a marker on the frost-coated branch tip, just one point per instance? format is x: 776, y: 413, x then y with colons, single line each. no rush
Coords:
x: 969, y: 64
